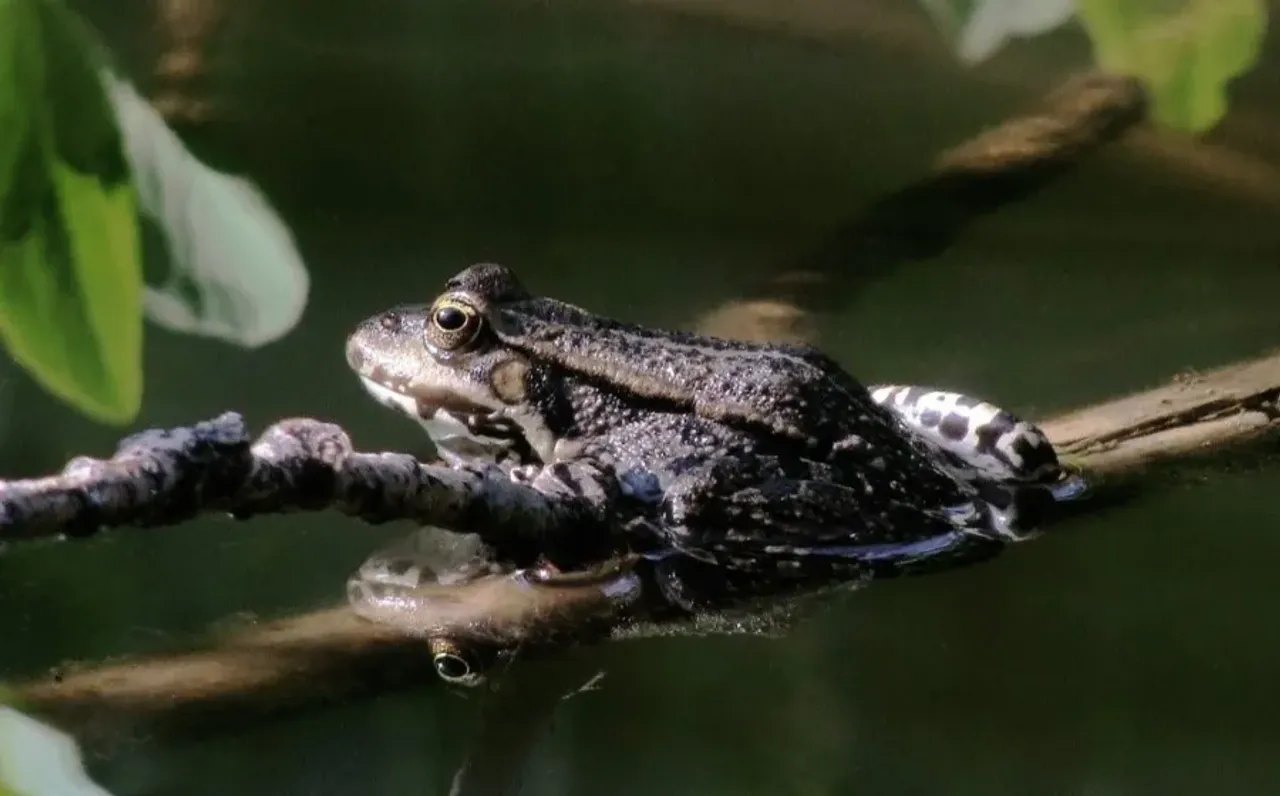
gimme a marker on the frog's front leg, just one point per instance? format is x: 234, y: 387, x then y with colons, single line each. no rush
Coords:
x: 980, y: 442
x: 591, y: 485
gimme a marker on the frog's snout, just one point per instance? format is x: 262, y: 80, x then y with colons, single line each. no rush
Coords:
x: 372, y: 334
x: 389, y: 340
x: 355, y: 354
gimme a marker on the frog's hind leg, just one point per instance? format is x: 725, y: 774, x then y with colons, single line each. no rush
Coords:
x: 1009, y: 460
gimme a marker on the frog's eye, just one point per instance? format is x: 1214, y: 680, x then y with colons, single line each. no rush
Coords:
x: 454, y: 664
x: 453, y: 325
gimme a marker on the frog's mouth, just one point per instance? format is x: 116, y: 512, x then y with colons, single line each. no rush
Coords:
x: 456, y: 426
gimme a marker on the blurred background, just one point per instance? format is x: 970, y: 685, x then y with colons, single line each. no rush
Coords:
x: 656, y: 160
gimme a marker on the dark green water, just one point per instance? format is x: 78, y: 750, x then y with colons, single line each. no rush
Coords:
x: 652, y: 166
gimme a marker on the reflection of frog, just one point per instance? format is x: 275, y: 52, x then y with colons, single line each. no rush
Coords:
x: 732, y: 470
x: 443, y: 587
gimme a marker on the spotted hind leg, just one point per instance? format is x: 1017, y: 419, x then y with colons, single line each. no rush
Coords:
x: 981, y: 442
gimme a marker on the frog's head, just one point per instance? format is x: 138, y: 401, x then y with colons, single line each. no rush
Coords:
x: 451, y: 366
x: 492, y: 370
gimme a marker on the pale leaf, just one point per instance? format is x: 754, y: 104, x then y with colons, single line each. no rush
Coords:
x: 37, y: 760
x: 236, y: 273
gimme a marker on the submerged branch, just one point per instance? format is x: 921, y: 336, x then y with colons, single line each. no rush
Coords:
x: 304, y: 661
x: 974, y: 180
x: 1196, y: 412
x: 331, y: 655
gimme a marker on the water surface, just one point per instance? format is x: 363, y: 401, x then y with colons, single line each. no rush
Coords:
x: 653, y: 165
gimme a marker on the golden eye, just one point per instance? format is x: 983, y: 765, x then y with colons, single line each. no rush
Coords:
x: 454, y: 664
x: 453, y: 325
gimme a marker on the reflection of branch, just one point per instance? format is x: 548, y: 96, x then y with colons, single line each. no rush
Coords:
x: 318, y: 658
x: 1004, y: 164
x: 166, y: 477
x: 330, y: 656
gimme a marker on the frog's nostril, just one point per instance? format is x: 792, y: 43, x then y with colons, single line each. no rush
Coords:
x: 390, y: 321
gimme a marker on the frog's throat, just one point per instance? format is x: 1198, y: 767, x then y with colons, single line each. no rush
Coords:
x: 456, y: 426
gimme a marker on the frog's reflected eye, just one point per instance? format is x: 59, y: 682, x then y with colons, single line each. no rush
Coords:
x: 455, y: 665
x: 453, y: 325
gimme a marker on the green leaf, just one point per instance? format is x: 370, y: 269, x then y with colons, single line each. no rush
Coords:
x: 70, y: 270
x: 1185, y: 51
x: 86, y: 134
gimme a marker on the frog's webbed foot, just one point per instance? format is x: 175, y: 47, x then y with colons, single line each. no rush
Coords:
x: 1009, y: 460
x: 580, y: 496
x: 525, y: 473
x: 576, y: 479
x: 591, y: 486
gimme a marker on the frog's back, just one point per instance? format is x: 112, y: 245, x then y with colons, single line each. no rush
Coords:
x: 793, y: 398
x: 794, y: 390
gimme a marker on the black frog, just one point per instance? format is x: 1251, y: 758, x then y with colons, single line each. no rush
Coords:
x: 726, y: 471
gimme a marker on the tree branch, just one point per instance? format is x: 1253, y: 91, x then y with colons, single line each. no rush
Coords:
x: 164, y: 477
x: 330, y: 655
x: 1192, y: 414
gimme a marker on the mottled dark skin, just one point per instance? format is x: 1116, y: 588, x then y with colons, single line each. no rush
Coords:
x: 740, y: 469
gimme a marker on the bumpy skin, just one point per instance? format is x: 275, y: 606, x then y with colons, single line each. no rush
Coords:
x: 981, y: 440
x: 1008, y: 459
x: 738, y: 469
